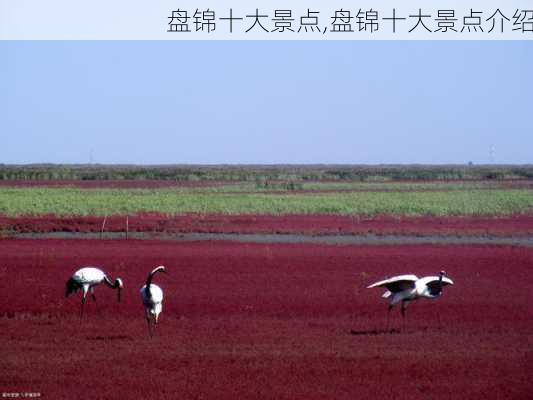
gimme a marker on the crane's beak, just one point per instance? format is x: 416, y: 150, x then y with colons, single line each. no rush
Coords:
x: 118, y: 295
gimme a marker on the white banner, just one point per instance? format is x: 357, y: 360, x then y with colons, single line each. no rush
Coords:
x: 266, y: 20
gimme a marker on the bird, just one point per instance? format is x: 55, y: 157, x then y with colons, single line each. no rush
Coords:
x: 152, y: 298
x: 88, y: 278
x: 406, y: 288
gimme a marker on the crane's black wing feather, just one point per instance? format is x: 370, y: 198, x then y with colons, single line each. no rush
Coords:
x: 72, y: 286
x: 400, y: 286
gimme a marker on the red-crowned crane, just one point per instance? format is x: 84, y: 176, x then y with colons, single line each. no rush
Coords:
x: 152, y: 298
x: 406, y: 288
x: 87, y: 278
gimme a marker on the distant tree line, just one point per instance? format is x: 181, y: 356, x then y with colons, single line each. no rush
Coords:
x: 265, y: 173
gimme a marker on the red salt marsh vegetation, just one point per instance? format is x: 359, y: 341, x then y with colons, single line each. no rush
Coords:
x: 275, y: 186
x: 265, y: 321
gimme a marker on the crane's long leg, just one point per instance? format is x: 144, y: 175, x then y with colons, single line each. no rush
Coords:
x: 404, y: 305
x: 150, y: 333
x: 156, y: 329
x: 82, y: 306
x: 149, y: 322
x: 96, y: 303
x: 388, y: 317
x: 84, y: 297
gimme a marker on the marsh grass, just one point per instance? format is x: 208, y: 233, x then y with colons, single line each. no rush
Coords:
x: 67, y: 201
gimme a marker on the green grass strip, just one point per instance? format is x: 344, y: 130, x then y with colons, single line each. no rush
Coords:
x: 72, y: 201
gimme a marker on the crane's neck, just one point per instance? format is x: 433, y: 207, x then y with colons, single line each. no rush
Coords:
x: 149, y: 279
x: 440, y: 283
x: 151, y: 275
x: 148, y: 283
x: 112, y: 285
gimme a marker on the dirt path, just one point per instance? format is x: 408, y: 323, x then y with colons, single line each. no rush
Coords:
x: 294, y: 238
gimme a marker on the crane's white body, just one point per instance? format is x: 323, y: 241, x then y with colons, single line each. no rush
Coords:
x: 405, y: 288
x: 88, y: 278
x: 410, y: 287
x: 153, y: 305
x: 152, y: 298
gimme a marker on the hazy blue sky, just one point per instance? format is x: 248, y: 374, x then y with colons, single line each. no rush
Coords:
x: 266, y: 102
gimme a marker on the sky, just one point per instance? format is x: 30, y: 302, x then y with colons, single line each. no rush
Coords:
x: 266, y: 102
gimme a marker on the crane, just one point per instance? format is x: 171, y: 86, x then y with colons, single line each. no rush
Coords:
x: 88, y: 278
x: 152, y: 298
x: 405, y: 288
